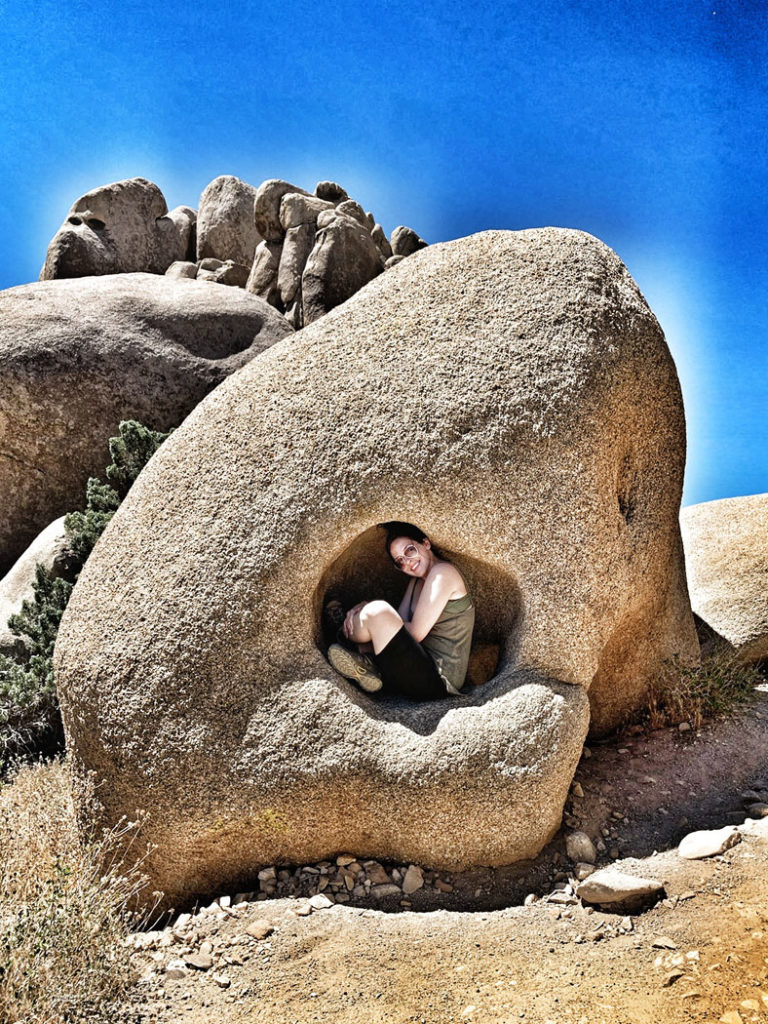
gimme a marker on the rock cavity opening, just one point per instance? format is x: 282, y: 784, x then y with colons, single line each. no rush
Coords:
x: 626, y: 489
x: 364, y: 571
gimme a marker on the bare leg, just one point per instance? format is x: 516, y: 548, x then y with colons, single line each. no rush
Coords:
x: 376, y: 623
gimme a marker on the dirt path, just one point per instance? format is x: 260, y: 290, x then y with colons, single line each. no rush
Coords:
x: 477, y: 955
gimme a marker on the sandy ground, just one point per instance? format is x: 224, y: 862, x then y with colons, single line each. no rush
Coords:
x: 478, y: 955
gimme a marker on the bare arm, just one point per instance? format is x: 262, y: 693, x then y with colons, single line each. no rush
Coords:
x: 438, y: 588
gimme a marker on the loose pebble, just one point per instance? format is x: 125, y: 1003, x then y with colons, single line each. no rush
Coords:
x: 199, y: 961
x: 580, y: 848
x: 260, y: 929
x: 414, y: 880
x: 698, y: 845
x: 320, y: 902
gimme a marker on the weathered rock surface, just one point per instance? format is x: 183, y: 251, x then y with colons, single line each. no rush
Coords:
x: 48, y: 549
x: 261, y: 237
x: 183, y: 269
x: 297, y: 209
x: 78, y: 356
x: 343, y: 260
x: 296, y: 248
x: 331, y: 191
x: 262, y: 280
x: 226, y: 228
x: 228, y: 272
x: 328, y: 237
x: 726, y: 557
x: 381, y: 241
x: 513, y: 395
x: 269, y: 196
x: 120, y: 228
x: 404, y: 241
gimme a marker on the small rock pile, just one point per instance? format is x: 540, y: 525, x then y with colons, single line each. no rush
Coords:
x: 347, y: 879
x: 198, y: 944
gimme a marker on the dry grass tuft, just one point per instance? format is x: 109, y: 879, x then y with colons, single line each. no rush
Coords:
x: 64, y: 905
x: 693, y: 694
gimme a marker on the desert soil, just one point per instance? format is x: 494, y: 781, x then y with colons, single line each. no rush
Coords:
x: 477, y: 954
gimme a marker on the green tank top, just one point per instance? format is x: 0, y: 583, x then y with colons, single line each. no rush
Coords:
x: 450, y: 640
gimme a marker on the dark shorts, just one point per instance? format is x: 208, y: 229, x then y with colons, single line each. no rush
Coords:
x: 408, y: 669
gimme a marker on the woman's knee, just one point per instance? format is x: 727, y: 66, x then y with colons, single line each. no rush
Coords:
x: 377, y: 610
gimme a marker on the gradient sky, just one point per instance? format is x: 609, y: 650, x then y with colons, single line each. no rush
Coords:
x: 643, y: 123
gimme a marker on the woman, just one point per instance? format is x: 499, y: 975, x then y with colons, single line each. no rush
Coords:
x: 421, y: 650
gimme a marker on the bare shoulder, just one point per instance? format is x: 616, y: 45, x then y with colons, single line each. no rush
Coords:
x: 449, y: 579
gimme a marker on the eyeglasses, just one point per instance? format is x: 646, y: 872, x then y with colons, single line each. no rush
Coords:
x: 411, y: 552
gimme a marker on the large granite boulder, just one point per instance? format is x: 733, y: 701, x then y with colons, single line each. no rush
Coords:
x: 120, y: 228
x: 512, y: 394
x: 344, y: 259
x: 726, y: 557
x: 226, y: 229
x: 78, y: 356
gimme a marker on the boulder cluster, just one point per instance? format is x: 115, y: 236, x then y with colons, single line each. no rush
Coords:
x: 304, y: 253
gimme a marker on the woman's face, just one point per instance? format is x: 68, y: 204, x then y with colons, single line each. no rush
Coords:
x: 412, y: 557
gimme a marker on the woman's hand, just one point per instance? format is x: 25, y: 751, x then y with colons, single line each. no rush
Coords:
x: 351, y: 622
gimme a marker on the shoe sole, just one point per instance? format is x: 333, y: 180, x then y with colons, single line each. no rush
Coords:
x: 347, y: 665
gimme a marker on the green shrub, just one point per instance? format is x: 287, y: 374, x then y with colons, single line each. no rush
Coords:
x: 130, y: 451
x: 30, y: 723
x: 693, y: 694
x: 29, y: 718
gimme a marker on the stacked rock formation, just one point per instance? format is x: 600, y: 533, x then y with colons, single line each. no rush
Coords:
x: 78, y: 356
x: 726, y: 556
x: 318, y: 250
x: 510, y: 393
x: 304, y: 254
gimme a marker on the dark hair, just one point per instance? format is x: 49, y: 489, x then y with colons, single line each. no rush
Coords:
x: 396, y: 529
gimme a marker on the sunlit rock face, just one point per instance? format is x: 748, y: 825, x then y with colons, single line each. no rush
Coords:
x: 726, y: 555
x: 121, y: 228
x: 226, y: 229
x: 511, y: 394
x: 78, y: 356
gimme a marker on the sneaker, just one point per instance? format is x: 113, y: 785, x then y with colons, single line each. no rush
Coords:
x: 357, y: 667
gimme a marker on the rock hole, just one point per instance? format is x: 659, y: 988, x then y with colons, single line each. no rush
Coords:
x: 364, y: 571
x: 96, y: 224
x: 74, y: 220
x: 626, y: 489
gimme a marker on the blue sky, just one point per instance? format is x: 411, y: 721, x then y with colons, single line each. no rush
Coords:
x: 643, y: 123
